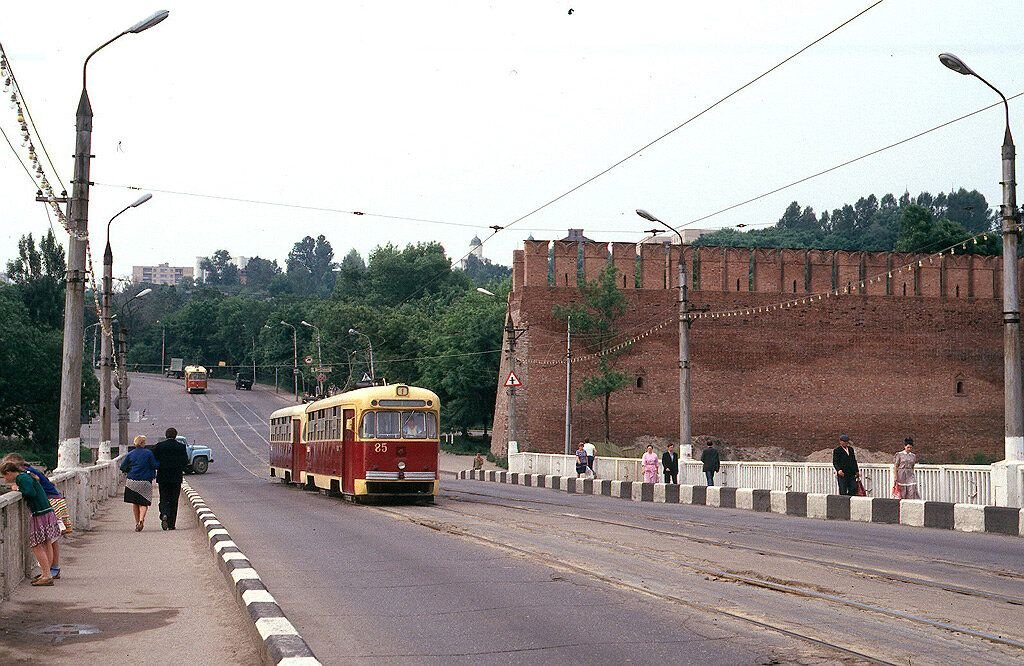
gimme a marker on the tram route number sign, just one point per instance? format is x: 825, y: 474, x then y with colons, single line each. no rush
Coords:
x: 513, y: 380
x: 308, y: 360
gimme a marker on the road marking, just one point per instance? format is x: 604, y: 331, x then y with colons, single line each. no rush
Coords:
x: 262, y: 423
x: 254, y: 453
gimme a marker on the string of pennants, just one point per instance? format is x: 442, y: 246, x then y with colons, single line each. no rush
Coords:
x: 809, y: 299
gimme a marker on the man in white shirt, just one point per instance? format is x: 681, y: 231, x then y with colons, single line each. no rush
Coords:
x: 591, y: 450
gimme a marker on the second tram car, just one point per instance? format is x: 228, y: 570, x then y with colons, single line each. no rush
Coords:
x: 195, y: 379
x: 379, y: 441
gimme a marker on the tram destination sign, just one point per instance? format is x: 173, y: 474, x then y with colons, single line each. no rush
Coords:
x: 324, y: 370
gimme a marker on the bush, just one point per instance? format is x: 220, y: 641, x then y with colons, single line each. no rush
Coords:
x: 500, y: 462
x: 468, y: 445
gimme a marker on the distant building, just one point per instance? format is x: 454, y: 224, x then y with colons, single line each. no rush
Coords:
x: 161, y: 274
x: 476, y: 248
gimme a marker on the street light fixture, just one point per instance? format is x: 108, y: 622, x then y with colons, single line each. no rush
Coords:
x: 1005, y: 482
x: 352, y: 331
x: 685, y: 442
x: 319, y: 358
x: 295, y: 357
x: 70, y: 421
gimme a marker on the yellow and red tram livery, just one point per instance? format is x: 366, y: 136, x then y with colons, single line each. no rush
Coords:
x: 380, y: 441
x: 195, y: 379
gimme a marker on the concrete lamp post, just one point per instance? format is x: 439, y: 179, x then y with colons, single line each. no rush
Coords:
x: 1006, y: 477
x: 70, y: 423
x: 369, y: 343
x: 123, y: 402
x: 319, y: 357
x: 107, y: 345
x: 511, y: 335
x: 685, y: 441
x: 295, y: 357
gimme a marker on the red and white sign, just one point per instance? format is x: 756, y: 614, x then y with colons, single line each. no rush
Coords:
x: 513, y: 380
x: 308, y: 360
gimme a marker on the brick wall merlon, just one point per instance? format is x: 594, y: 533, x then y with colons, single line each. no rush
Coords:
x: 535, y: 263
x: 652, y: 266
x: 624, y: 259
x: 517, y: 269
x: 566, y: 256
x: 595, y: 259
x: 767, y: 269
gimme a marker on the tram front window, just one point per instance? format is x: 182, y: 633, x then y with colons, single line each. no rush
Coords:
x: 396, y: 425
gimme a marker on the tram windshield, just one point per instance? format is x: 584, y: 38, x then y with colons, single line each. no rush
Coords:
x: 398, y: 425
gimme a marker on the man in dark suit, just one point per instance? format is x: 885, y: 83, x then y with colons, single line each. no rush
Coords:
x: 712, y: 462
x: 670, y: 464
x: 173, y: 460
x: 845, y: 462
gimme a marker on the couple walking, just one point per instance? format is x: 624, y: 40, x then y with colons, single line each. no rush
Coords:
x: 166, y: 462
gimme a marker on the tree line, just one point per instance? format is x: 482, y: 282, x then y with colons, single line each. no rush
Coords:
x: 924, y: 223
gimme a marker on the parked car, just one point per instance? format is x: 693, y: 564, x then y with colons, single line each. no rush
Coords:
x: 243, y: 383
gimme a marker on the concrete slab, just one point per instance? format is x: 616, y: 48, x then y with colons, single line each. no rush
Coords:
x: 968, y: 518
x: 796, y: 504
x: 860, y: 509
x: 713, y: 496
x: 817, y: 505
x: 761, y: 500
x: 885, y: 510
x: 666, y: 493
x: 912, y: 513
x: 778, y: 501
x: 643, y: 492
x: 727, y: 497
x: 1003, y: 520
x: 938, y: 514
x: 698, y: 495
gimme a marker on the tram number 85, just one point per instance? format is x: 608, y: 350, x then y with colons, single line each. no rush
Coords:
x: 380, y: 447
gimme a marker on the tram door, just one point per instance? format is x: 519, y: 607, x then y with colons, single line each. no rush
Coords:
x: 298, y: 451
x: 348, y: 451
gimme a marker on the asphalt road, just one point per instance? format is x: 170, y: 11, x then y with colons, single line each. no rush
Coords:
x: 500, y: 574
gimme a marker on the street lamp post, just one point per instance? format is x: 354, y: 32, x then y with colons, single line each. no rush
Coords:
x: 106, y: 347
x: 685, y: 443
x: 295, y: 357
x: 163, y: 343
x: 94, y: 336
x: 319, y: 358
x: 369, y: 343
x: 70, y: 423
x: 1005, y: 484
x: 123, y: 382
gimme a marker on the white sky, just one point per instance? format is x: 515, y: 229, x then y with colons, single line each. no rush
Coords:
x: 476, y: 112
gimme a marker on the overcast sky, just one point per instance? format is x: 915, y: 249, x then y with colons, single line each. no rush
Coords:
x: 475, y: 113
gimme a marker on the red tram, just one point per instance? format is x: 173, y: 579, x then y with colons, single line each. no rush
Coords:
x: 380, y: 441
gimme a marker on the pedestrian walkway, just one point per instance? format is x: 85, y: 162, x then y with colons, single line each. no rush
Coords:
x: 153, y: 597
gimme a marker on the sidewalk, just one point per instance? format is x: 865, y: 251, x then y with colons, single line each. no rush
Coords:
x: 153, y: 597
x: 450, y: 464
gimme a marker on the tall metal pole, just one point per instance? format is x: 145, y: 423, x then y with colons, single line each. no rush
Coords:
x: 568, y: 386
x: 510, y: 334
x: 163, y: 345
x: 106, y: 353
x: 254, y: 360
x: 295, y: 358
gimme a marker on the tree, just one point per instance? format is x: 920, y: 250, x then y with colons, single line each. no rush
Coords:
x: 482, y: 272
x: 593, y: 321
x: 259, y: 273
x: 351, y: 276
x: 219, y: 268
x: 39, y: 277
x: 421, y: 270
x: 310, y: 265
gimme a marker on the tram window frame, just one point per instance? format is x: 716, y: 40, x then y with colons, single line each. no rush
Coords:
x: 368, y: 419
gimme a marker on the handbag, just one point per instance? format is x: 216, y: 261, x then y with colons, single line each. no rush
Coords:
x: 896, y: 490
x: 861, y: 492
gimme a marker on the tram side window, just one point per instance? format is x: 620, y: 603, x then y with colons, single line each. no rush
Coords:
x: 368, y: 428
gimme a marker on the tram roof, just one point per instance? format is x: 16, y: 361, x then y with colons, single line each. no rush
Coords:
x: 367, y: 395
x: 194, y: 368
x: 292, y: 410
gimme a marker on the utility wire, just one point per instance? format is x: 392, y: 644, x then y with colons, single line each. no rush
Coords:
x: 20, y: 161
x: 696, y: 116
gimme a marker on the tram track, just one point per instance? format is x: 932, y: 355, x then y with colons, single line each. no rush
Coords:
x: 956, y: 633
x: 865, y: 571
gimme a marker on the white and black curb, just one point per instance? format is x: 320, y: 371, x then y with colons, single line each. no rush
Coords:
x: 280, y: 640
x: 917, y: 513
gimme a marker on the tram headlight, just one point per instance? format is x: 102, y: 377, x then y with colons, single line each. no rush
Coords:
x: 401, y: 464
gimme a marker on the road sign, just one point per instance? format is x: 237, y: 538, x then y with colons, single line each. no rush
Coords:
x: 366, y: 377
x: 513, y: 380
x: 321, y: 378
x: 325, y: 370
x: 308, y: 360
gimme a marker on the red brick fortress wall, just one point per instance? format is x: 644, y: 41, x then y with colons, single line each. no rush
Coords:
x: 879, y: 366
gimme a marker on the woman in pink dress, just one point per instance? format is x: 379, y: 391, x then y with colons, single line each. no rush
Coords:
x: 650, y: 461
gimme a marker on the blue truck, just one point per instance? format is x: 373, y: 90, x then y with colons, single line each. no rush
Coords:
x: 199, y: 456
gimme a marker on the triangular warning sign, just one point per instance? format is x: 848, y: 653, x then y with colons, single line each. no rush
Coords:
x: 366, y: 377
x: 513, y: 380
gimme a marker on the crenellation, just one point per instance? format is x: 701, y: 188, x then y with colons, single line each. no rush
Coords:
x: 535, y: 263
x: 736, y: 268
x: 566, y: 263
x: 956, y: 276
x: 876, y: 269
x: 624, y: 259
x: 767, y: 270
x: 595, y: 259
x: 794, y: 271
x: 820, y: 271
x: 517, y: 269
x: 712, y: 273
x: 849, y: 272
x: 652, y: 266
x: 928, y: 274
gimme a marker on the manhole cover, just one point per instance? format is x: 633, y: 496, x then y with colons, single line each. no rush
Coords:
x: 61, y: 631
